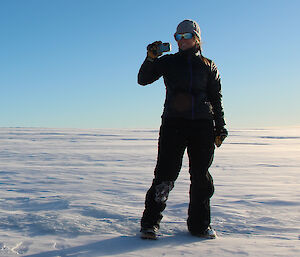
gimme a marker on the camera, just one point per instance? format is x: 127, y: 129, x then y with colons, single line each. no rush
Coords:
x: 164, y: 47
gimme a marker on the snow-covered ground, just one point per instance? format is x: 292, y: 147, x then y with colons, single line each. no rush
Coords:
x: 71, y: 192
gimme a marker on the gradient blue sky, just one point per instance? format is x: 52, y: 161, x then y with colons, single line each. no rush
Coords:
x: 74, y: 63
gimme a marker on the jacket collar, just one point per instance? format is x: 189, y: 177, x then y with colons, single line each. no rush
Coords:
x: 194, y: 51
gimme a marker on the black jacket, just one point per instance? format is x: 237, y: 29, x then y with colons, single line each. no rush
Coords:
x: 193, y: 88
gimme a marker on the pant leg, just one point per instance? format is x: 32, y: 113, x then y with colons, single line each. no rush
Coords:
x: 171, y: 147
x: 200, y: 151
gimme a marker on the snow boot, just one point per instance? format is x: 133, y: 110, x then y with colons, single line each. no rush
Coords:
x: 149, y: 233
x: 209, y: 233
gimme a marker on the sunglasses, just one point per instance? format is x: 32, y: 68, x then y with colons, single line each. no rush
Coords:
x: 185, y: 36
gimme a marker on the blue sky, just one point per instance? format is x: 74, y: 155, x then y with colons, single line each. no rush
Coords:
x: 71, y: 63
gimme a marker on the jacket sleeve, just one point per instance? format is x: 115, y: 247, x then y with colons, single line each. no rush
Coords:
x: 215, y: 95
x: 151, y: 71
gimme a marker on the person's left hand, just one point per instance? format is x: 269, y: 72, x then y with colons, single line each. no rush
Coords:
x: 220, y: 134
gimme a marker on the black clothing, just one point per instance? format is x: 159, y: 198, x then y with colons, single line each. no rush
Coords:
x: 177, y: 134
x: 193, y: 88
x: 192, y: 110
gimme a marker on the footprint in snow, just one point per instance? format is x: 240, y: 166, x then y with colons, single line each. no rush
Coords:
x: 2, y: 246
x: 60, y: 246
x: 21, y: 248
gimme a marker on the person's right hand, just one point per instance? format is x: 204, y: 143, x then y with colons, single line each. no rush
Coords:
x: 152, y: 50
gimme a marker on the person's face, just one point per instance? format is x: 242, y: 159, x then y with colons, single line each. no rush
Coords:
x: 185, y: 44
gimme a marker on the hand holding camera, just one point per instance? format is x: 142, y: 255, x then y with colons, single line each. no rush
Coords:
x: 156, y: 49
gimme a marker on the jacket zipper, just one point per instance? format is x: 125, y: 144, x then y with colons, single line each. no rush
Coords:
x: 191, y: 84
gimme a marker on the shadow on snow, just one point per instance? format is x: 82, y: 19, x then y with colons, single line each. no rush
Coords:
x: 119, y: 245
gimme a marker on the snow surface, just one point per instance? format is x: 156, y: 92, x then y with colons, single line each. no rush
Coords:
x: 72, y: 192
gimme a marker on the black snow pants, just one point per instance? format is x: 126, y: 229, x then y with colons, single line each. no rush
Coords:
x: 176, y: 135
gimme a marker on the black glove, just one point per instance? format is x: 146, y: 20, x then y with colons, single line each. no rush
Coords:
x: 152, y: 51
x: 220, y: 134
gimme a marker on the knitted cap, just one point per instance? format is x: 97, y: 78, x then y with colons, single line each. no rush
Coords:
x: 189, y: 26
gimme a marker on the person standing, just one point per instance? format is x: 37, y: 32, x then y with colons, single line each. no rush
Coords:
x: 193, y: 119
